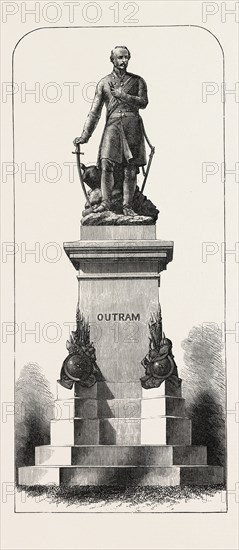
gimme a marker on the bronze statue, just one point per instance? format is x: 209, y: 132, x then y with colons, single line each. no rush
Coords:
x: 122, y: 143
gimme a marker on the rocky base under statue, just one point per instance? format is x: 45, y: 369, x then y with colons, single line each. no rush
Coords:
x: 147, y: 213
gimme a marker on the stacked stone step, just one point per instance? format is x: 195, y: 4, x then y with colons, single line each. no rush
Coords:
x: 120, y: 434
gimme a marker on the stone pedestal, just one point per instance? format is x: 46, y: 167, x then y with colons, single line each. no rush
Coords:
x: 116, y: 433
x: 118, y: 270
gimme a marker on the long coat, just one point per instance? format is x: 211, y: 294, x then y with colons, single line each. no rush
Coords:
x: 122, y: 138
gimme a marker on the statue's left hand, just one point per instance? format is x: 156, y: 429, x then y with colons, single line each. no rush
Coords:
x: 116, y: 92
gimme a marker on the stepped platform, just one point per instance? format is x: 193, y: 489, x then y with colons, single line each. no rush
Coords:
x: 95, y: 441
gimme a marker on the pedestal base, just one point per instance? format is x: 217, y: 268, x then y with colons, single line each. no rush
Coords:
x: 115, y: 432
x: 121, y: 475
x: 95, y: 442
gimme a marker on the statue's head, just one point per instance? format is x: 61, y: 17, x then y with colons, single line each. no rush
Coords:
x: 120, y: 56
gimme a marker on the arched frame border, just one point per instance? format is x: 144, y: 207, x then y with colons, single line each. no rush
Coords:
x: 224, y: 189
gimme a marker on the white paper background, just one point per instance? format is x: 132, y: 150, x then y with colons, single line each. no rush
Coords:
x: 182, y: 142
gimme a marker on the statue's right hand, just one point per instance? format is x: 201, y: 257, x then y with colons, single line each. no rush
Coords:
x: 79, y: 140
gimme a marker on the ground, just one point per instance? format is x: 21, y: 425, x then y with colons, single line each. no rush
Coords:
x: 111, y: 499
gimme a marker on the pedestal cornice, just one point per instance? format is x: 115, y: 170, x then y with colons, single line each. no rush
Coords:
x: 82, y: 253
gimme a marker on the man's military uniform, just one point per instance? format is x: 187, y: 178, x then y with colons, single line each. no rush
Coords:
x: 122, y: 140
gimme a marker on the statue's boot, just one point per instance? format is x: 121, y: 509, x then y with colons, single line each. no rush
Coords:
x: 127, y: 211
x: 103, y: 207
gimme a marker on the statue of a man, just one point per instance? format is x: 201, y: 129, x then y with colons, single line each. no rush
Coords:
x: 122, y: 141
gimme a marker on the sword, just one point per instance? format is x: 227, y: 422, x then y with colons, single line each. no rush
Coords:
x: 78, y: 153
x: 152, y: 151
